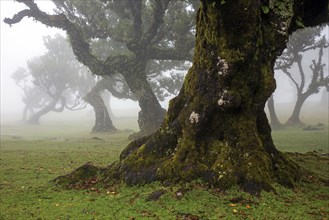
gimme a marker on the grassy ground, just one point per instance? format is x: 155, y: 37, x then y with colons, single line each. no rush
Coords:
x: 31, y: 156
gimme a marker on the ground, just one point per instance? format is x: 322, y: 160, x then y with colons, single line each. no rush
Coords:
x: 31, y: 156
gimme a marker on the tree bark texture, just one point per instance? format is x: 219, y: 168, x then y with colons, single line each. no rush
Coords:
x: 216, y: 128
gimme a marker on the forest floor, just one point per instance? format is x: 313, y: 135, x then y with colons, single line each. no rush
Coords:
x: 31, y: 156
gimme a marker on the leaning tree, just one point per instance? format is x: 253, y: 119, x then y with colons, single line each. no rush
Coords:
x: 292, y: 62
x: 165, y: 78
x: 139, y: 26
x: 216, y: 128
x: 62, y: 79
x: 33, y: 97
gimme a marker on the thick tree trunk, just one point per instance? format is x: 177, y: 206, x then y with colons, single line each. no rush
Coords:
x: 103, y: 122
x: 151, y: 114
x: 294, y: 119
x: 216, y: 128
x: 274, y: 121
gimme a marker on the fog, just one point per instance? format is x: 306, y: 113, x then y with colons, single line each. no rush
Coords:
x: 23, y: 41
x: 20, y: 43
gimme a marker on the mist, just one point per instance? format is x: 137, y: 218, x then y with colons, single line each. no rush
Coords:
x: 24, y: 41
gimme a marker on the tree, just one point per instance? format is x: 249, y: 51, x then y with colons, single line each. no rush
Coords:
x: 138, y: 25
x: 61, y: 78
x: 162, y: 83
x: 216, y: 128
x: 33, y: 97
x: 307, y: 82
x: 163, y: 86
x: 116, y: 86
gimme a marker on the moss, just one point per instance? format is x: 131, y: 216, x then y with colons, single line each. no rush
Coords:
x: 78, y: 176
x: 230, y: 144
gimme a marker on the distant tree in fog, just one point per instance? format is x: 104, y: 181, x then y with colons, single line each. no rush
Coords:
x: 58, y: 81
x: 33, y: 97
x: 165, y: 78
x: 143, y: 30
x: 307, y: 80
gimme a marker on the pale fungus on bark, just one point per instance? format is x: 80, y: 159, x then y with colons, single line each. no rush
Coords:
x: 194, y: 117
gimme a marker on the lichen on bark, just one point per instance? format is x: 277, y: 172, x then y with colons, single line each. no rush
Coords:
x: 216, y: 128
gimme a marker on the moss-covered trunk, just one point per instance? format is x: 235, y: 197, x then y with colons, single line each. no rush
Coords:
x: 216, y: 128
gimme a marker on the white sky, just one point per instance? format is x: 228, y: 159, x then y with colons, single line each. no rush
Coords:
x: 19, y: 43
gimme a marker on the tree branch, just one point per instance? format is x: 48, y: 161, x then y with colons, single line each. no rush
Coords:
x: 79, y: 45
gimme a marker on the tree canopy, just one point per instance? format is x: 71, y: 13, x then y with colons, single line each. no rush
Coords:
x: 54, y: 81
x: 145, y: 30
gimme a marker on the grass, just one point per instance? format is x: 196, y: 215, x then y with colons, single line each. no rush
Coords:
x: 31, y: 156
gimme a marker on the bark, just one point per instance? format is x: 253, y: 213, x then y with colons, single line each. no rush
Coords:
x: 216, y: 128
x: 103, y: 122
x: 274, y: 121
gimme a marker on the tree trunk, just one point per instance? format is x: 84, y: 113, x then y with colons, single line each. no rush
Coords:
x: 294, y: 118
x: 151, y: 114
x: 103, y: 122
x: 274, y: 121
x: 216, y: 128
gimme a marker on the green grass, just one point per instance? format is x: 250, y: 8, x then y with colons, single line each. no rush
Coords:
x: 31, y: 156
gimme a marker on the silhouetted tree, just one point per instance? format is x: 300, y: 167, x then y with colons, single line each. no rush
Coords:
x: 307, y: 81
x: 136, y: 25
x: 61, y: 78
x: 33, y: 97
